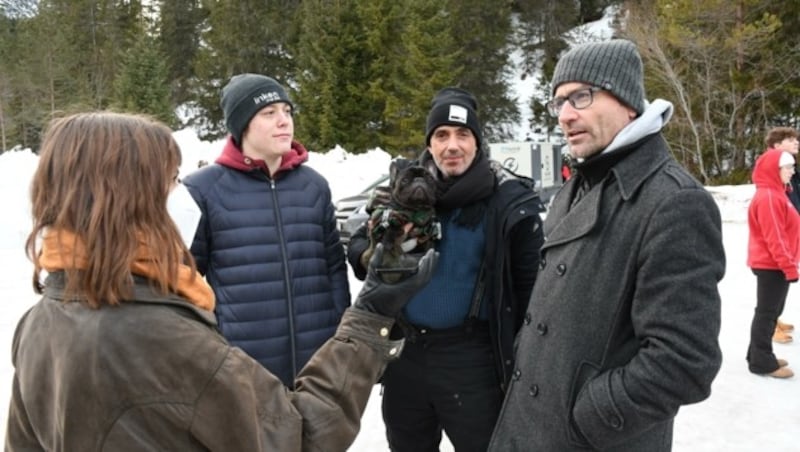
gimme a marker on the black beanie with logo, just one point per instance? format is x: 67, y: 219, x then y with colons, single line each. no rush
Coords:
x: 244, y: 96
x: 453, y: 107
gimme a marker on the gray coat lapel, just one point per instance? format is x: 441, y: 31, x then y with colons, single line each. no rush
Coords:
x: 564, y: 225
x: 632, y: 171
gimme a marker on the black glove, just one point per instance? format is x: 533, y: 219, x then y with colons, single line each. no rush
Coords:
x: 389, y: 299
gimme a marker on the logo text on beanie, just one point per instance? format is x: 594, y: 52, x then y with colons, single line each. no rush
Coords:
x: 457, y: 114
x: 264, y: 98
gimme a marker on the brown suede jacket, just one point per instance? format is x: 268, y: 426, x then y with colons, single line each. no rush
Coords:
x: 154, y: 374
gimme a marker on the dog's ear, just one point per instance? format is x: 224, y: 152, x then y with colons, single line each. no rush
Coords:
x: 396, y: 167
x: 393, y: 170
x: 430, y: 165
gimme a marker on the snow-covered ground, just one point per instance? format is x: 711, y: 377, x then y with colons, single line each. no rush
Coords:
x: 744, y: 413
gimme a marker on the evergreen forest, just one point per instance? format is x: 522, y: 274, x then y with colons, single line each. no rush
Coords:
x: 362, y: 72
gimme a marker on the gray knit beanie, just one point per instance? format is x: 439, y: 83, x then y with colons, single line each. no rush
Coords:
x: 244, y: 96
x: 614, y: 66
x: 453, y: 107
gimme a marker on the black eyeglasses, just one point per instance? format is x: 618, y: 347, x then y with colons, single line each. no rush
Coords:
x: 579, y: 100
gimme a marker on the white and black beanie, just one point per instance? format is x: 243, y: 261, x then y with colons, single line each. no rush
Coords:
x: 244, y: 96
x: 453, y: 107
x: 614, y: 66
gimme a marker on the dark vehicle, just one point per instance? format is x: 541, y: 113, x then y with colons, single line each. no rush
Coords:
x: 350, y: 211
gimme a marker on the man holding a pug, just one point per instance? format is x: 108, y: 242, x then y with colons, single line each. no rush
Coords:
x: 460, y: 328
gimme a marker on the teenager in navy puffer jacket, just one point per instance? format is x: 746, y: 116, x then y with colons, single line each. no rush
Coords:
x: 267, y: 241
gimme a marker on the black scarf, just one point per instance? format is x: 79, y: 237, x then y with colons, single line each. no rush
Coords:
x: 469, y: 191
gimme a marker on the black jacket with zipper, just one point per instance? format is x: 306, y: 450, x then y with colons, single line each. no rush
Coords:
x: 514, y: 235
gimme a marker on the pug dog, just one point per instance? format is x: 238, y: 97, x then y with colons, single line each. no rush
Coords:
x: 403, y: 218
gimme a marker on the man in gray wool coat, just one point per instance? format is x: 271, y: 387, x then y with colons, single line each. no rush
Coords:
x: 623, y: 323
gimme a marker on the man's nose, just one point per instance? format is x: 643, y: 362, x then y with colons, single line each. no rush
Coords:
x: 567, y: 112
x: 284, y: 117
x: 452, y: 143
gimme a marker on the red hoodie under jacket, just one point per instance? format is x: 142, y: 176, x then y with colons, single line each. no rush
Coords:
x: 774, y: 241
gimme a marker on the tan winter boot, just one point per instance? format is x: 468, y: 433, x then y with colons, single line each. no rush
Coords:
x: 780, y: 337
x: 782, y: 372
x: 782, y: 362
x: 785, y: 327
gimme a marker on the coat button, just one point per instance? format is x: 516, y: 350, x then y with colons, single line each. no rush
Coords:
x: 561, y: 269
x: 517, y: 374
x: 533, y: 391
x: 384, y: 332
x: 527, y: 318
x: 615, y: 422
x: 542, y: 329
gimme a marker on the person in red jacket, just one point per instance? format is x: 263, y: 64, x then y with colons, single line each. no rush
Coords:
x: 773, y: 252
x: 566, y: 173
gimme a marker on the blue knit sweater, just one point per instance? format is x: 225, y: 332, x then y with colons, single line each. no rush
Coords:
x: 446, y: 300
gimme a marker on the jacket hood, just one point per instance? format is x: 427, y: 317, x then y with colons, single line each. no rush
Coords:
x: 232, y: 157
x: 766, y: 172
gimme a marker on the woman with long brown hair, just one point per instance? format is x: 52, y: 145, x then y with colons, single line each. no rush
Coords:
x: 122, y: 351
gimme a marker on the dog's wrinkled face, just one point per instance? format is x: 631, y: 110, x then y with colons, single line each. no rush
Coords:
x: 414, y: 188
x: 406, y: 224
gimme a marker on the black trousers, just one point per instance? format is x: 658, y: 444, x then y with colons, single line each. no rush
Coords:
x: 771, y: 292
x: 441, y: 383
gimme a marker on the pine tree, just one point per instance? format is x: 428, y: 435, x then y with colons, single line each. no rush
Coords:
x: 239, y: 36
x: 427, y: 60
x: 482, y: 29
x: 336, y: 67
x: 715, y: 61
x: 6, y: 80
x: 179, y: 40
x: 142, y: 84
x: 785, y: 101
x: 36, y: 68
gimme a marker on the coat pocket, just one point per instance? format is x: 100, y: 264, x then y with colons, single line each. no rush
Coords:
x: 584, y: 373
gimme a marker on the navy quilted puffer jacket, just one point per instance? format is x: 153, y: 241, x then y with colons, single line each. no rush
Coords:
x: 270, y: 249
